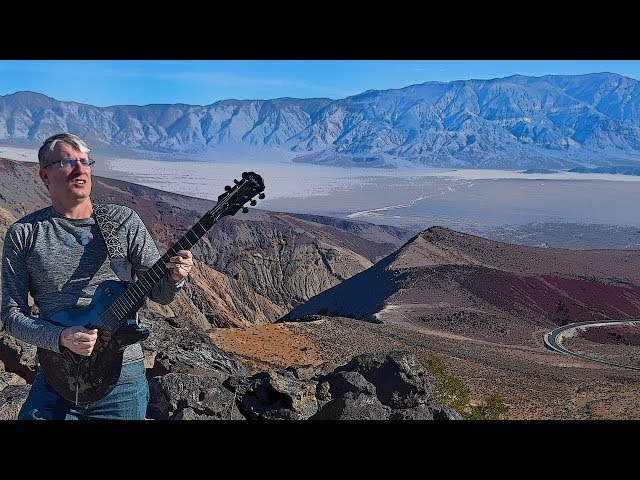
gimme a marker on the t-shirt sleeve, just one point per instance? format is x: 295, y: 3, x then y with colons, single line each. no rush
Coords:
x: 15, y: 314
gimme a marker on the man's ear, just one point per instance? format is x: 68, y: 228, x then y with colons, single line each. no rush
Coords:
x: 44, y: 176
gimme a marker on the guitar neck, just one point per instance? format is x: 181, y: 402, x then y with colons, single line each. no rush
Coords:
x: 228, y: 204
x: 134, y: 297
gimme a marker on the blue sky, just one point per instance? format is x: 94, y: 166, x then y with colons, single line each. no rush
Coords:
x: 203, y: 82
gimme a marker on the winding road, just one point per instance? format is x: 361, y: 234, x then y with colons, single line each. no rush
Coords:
x: 553, y: 339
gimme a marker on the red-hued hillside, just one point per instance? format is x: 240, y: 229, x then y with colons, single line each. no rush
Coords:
x: 464, y: 284
x: 613, y: 334
x: 441, y: 246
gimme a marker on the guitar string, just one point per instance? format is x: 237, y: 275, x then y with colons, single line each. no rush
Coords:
x: 152, y: 274
x: 111, y: 315
x: 123, y: 305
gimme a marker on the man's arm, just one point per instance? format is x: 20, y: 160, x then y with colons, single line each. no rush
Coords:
x: 143, y: 254
x: 15, y: 314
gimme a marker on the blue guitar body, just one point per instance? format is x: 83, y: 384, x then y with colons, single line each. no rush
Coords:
x: 83, y: 379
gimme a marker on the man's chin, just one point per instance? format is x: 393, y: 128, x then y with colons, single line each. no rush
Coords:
x: 81, y: 193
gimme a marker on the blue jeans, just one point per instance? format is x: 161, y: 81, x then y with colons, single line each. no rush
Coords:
x: 127, y: 401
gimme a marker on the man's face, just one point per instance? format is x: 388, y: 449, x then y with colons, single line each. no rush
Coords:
x: 70, y: 183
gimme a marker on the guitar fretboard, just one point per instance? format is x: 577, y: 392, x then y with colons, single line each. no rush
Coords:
x: 133, y: 298
x: 228, y: 203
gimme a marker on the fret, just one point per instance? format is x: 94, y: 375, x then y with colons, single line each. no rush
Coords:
x: 135, y: 296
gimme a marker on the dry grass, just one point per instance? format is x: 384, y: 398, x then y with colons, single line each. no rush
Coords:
x: 268, y: 346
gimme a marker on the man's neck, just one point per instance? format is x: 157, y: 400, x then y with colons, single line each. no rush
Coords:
x: 76, y: 210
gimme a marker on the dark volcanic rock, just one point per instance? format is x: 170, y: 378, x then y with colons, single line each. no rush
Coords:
x: 421, y: 412
x: 400, y: 379
x: 275, y: 395
x: 351, y: 397
x: 369, y: 387
x: 360, y: 407
x: 183, y: 348
x: 178, y: 396
x: 18, y: 357
x: 442, y: 412
x: 11, y: 399
x: 9, y: 378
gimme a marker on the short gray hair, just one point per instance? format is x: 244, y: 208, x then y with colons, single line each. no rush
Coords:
x: 49, y: 144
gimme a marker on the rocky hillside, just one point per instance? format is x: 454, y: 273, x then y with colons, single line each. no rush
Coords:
x: 251, y: 268
x: 471, y: 286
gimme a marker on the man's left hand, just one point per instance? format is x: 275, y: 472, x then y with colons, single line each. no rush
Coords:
x: 180, y: 265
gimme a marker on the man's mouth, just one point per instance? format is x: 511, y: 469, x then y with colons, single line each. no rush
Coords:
x: 78, y: 181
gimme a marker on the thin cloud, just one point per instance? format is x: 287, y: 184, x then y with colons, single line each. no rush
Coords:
x: 230, y: 80
x: 46, y: 68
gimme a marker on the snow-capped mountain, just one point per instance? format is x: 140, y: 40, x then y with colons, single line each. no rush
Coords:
x: 513, y: 122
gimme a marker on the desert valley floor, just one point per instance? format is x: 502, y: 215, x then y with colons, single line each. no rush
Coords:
x: 536, y: 383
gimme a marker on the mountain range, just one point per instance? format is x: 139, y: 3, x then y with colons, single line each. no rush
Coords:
x: 553, y: 121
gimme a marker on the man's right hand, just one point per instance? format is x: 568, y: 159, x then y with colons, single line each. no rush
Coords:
x: 79, y: 340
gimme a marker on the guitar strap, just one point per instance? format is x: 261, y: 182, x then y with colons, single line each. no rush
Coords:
x: 118, y: 256
x: 119, y: 264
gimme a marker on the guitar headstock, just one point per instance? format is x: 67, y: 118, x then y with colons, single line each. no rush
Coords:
x: 237, y: 196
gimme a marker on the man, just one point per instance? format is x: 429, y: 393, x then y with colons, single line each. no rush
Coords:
x: 59, y: 257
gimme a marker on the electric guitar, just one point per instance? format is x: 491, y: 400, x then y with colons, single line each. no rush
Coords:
x: 85, y: 379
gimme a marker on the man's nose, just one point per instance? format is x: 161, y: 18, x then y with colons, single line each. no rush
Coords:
x: 80, y: 167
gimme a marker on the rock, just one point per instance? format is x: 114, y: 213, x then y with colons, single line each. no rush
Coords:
x: 421, y: 412
x: 301, y: 372
x: 8, y: 378
x: 268, y: 395
x: 400, y: 378
x: 179, y: 346
x: 351, y: 397
x: 179, y: 396
x: 11, y: 399
x: 18, y: 357
x: 201, y: 362
x: 442, y: 412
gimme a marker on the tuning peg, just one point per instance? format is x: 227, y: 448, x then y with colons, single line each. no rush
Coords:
x: 227, y: 188
x: 245, y: 175
x: 235, y: 181
x: 253, y: 203
x: 245, y: 209
x: 261, y: 196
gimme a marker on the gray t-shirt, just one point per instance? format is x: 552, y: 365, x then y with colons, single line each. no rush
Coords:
x: 60, y: 261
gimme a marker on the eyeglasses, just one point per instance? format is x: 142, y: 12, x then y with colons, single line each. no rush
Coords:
x: 71, y: 162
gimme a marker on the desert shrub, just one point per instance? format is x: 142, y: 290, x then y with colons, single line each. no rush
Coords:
x: 492, y: 408
x: 451, y: 391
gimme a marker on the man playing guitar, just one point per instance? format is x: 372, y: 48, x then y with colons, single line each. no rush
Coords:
x: 58, y: 255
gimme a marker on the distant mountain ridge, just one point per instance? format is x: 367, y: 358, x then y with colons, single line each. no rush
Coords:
x: 554, y: 121
x: 622, y: 170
